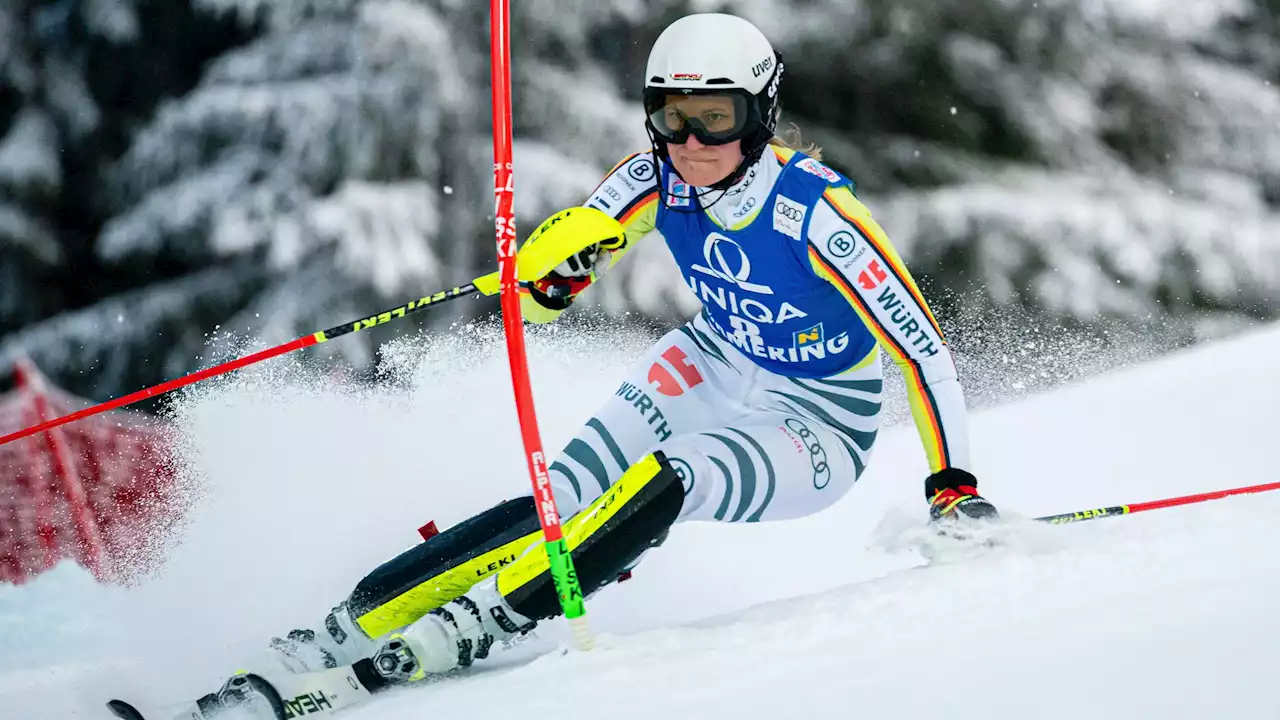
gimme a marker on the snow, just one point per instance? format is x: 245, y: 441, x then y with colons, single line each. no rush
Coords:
x: 1179, y: 19
x: 28, y: 234
x: 1097, y: 163
x: 313, y: 155
x: 307, y: 483
x: 1083, y: 246
x: 116, y: 20
x: 29, y: 153
x: 546, y: 178
x: 280, y: 13
x: 378, y: 229
x: 178, y: 210
x: 95, y: 340
x: 581, y: 107
x: 59, y: 623
x: 67, y: 93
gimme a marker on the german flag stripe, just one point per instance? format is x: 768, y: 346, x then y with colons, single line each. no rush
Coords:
x: 944, y: 447
x: 924, y: 407
x: 882, y: 247
x: 835, y: 277
x: 636, y: 206
x: 927, y: 417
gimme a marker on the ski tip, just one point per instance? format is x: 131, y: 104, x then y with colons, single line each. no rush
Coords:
x: 124, y: 710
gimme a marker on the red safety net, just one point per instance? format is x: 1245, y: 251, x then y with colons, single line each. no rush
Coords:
x: 101, y: 490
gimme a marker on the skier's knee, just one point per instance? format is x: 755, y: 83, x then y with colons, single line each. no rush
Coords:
x: 568, y: 496
x: 692, y: 468
x: 606, y: 538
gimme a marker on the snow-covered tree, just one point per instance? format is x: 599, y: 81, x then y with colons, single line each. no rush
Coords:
x: 35, y: 89
x: 348, y: 151
x: 29, y: 248
x: 1088, y: 161
x: 324, y: 151
x: 1080, y: 161
x: 1140, y: 188
x: 72, y: 78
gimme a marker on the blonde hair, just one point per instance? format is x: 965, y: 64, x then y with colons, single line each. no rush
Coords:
x: 790, y: 138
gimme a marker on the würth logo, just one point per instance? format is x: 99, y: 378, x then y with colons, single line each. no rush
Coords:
x: 664, y: 382
x: 871, y: 278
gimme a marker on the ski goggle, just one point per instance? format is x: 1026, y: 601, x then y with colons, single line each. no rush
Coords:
x: 714, y: 118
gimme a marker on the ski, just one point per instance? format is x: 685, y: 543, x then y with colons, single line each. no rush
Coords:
x: 299, y: 695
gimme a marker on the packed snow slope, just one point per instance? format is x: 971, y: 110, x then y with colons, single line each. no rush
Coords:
x: 305, y: 484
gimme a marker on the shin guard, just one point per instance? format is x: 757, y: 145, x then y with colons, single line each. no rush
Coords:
x: 633, y: 515
x: 444, y: 567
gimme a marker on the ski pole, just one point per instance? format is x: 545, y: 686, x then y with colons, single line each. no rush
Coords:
x: 534, y: 261
x: 1082, y: 515
x: 487, y: 285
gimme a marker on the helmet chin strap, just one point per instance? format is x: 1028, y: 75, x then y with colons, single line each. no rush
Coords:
x: 740, y: 172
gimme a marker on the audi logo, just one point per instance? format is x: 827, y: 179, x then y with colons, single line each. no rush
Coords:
x: 790, y: 212
x: 817, y: 455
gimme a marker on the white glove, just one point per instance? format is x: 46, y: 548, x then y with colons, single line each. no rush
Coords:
x: 582, y: 264
x: 573, y: 275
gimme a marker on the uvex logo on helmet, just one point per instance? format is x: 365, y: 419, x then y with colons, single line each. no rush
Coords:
x: 761, y: 67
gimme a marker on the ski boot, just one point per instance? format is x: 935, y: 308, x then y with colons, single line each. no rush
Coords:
x: 451, y: 637
x: 455, y: 635
x: 339, y: 642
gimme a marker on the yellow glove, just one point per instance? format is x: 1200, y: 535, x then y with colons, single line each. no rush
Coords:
x: 546, y: 294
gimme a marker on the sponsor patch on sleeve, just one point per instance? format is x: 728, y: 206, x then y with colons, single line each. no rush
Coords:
x: 788, y: 216
x: 813, y: 167
x: 623, y: 186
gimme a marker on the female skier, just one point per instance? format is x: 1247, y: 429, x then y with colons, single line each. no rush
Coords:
x: 763, y: 407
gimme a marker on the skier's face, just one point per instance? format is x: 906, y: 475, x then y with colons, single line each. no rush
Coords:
x: 704, y: 165
x: 700, y: 164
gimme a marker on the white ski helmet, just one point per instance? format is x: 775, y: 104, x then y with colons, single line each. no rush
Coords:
x: 714, y: 53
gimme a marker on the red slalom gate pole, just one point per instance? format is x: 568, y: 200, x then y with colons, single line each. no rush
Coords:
x: 566, y: 582
x: 1082, y: 515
